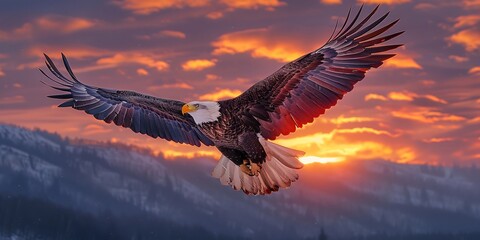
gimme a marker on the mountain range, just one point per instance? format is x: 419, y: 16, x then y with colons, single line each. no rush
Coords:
x: 58, y: 188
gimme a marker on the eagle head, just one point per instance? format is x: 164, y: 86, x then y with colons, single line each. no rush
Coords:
x: 202, y: 112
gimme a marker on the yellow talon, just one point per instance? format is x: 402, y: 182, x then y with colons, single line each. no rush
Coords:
x: 255, y: 168
x: 250, y: 168
x: 245, y: 169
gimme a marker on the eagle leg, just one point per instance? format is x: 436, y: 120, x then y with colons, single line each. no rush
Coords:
x: 255, y: 168
x: 250, y: 168
x: 245, y: 167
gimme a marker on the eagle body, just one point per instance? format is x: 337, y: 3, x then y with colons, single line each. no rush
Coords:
x: 235, y: 139
x: 224, y: 130
x: 242, y: 146
x: 242, y: 127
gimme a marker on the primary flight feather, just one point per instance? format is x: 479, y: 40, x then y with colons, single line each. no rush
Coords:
x: 241, y: 127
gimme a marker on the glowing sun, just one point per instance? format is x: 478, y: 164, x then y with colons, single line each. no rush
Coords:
x: 315, y: 159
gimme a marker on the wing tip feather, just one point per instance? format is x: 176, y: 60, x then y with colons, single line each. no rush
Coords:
x: 69, y: 69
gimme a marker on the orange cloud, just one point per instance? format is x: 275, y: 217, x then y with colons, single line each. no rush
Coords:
x: 93, y: 68
x: 437, y: 140
x: 31, y: 65
x: 2, y: 73
x: 169, y: 86
x: 425, y: 6
x: 23, y: 32
x: 337, y: 134
x: 215, y: 15
x: 135, y: 58
x: 46, y: 118
x: 425, y: 115
x: 253, y: 4
x: 164, y: 33
x: 471, y: 3
x: 12, y: 100
x: 64, y: 24
x: 402, y: 96
x: 331, y: 2
x: 410, y: 96
x: 167, y: 149
x: 365, y: 130
x: 72, y: 52
x: 383, y: 1
x: 434, y: 98
x: 220, y: 94
x: 474, y: 70
x: 477, y: 119
x: 402, y: 61
x: 172, y: 154
x: 374, y: 96
x: 174, y: 34
x: 93, y: 129
x: 259, y: 43
x: 406, y: 155
x: 465, y: 21
x: 142, y: 72
x: 458, y: 59
x: 468, y: 38
x: 428, y: 82
x: 148, y: 6
x: 211, y: 77
x: 106, y: 58
x: 55, y: 24
x: 342, y: 120
x: 198, y: 64
x: 430, y: 5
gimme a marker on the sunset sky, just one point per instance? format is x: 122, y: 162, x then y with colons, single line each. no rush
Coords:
x: 422, y: 106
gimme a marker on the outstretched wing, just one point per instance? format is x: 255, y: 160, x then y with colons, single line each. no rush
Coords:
x: 153, y: 116
x: 303, y: 89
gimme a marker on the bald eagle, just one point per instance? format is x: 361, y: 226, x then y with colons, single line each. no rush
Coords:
x: 241, y: 128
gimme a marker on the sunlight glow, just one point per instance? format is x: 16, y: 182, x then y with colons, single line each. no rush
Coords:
x: 220, y: 94
x: 172, y: 154
x: 260, y: 43
x: 323, y: 160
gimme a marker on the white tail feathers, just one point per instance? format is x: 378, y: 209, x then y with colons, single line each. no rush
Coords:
x: 278, y: 170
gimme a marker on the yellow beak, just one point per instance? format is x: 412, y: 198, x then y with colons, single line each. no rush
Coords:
x: 188, y: 108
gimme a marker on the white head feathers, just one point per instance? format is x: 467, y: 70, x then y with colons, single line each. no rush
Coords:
x: 203, y: 112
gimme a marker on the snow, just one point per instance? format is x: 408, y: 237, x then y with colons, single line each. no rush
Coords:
x: 32, y: 166
x: 25, y: 137
x: 16, y: 236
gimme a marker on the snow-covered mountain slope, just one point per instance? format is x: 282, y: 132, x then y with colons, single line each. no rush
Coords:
x: 346, y: 199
